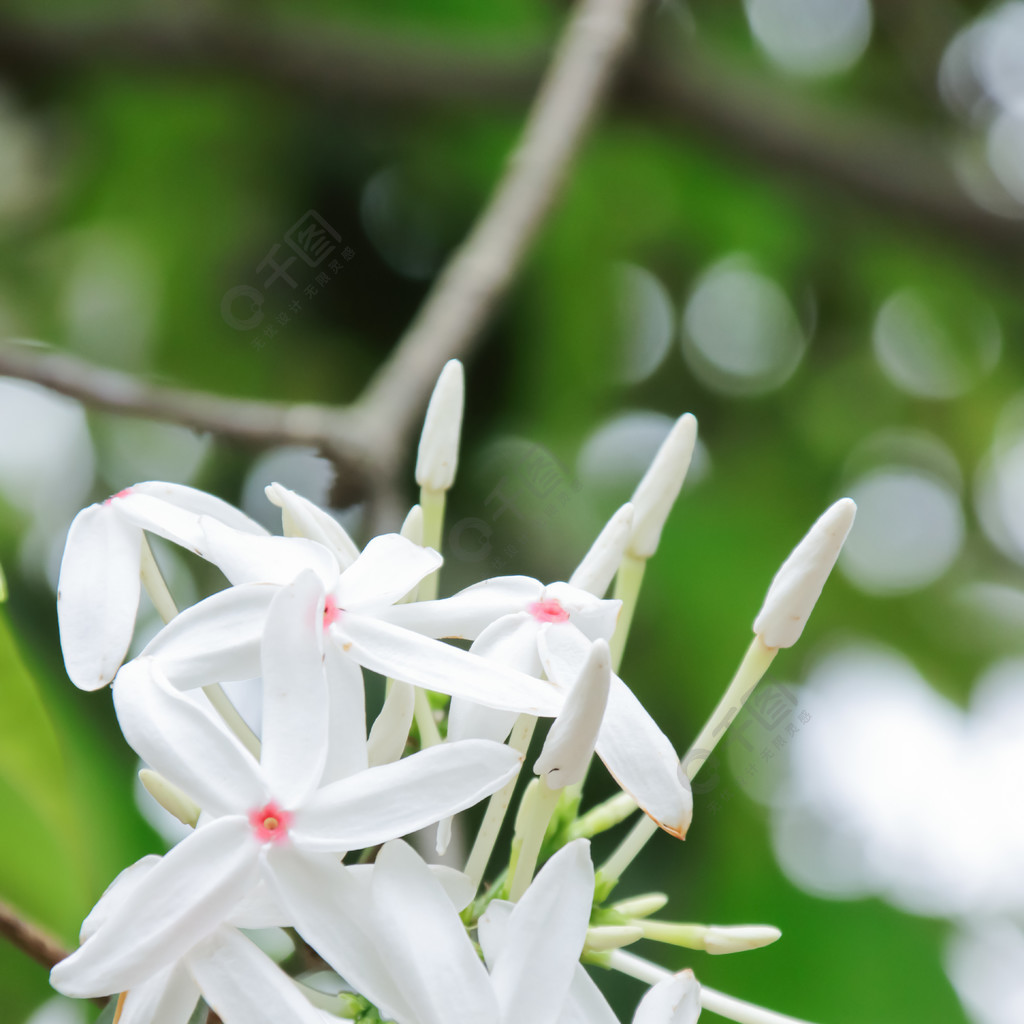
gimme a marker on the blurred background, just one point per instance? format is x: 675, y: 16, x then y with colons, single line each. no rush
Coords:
x: 800, y: 220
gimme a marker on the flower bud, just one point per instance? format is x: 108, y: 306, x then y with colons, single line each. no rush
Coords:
x: 301, y: 518
x: 739, y: 938
x: 601, y: 562
x: 798, y: 583
x: 170, y: 797
x: 657, y: 491
x: 438, y: 455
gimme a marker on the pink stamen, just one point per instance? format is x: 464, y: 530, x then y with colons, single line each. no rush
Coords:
x: 548, y: 611
x: 120, y: 494
x: 331, y: 611
x: 270, y: 823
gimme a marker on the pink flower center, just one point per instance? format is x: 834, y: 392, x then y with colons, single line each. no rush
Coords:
x: 548, y: 611
x: 120, y: 494
x: 331, y: 611
x: 270, y: 823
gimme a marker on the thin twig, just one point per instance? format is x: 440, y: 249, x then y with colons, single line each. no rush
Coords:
x: 370, y: 437
x: 29, y: 939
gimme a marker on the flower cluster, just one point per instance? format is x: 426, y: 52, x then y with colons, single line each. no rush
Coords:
x: 299, y: 824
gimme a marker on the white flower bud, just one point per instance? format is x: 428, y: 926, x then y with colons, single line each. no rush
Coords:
x: 658, y: 490
x: 601, y: 562
x: 412, y: 528
x: 611, y: 936
x: 739, y: 938
x: 570, y: 742
x: 301, y: 518
x: 438, y: 455
x: 798, y: 583
x: 170, y: 797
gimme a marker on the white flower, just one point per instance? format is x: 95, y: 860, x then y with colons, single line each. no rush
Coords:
x: 532, y: 973
x: 517, y: 620
x: 99, y: 585
x: 264, y: 821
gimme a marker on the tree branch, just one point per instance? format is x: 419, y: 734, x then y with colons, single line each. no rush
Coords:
x: 369, y: 438
x: 884, y: 164
x: 29, y: 939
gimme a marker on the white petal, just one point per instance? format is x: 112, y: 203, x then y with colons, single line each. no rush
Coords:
x: 346, y: 746
x: 569, y: 746
x: 593, y: 617
x: 216, y: 640
x: 98, y: 595
x: 469, y: 612
x: 585, y: 1003
x: 427, y: 944
x: 388, y: 569
x: 301, y: 518
x: 260, y: 908
x: 675, y: 1000
x: 192, y: 890
x: 402, y: 654
x: 244, y: 558
x: 185, y: 742
x: 601, y: 562
x: 199, y: 502
x: 798, y: 584
x: 165, y: 520
x: 395, y: 799
x: 295, y: 705
x: 657, y: 491
x: 243, y: 985
x: 169, y: 997
x: 638, y: 754
x: 544, y: 937
x: 333, y: 912
x: 438, y: 454
x: 119, y: 891
x: 390, y: 730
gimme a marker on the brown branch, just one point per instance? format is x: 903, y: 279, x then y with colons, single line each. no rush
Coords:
x: 30, y: 940
x: 887, y: 165
x: 369, y: 437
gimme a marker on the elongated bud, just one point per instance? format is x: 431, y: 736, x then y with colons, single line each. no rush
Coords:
x: 412, y: 528
x: 301, y: 518
x: 611, y: 936
x: 3, y: 585
x: 739, y: 938
x: 570, y: 742
x: 641, y: 906
x: 601, y: 562
x: 438, y: 455
x: 170, y: 797
x: 798, y: 584
x: 657, y: 491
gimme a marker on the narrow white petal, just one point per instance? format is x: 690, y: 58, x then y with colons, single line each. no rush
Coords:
x: 295, y: 720
x: 593, y: 617
x: 243, y: 985
x: 346, y: 723
x: 544, y: 937
x: 201, y: 503
x: 388, y: 569
x: 216, y: 640
x: 569, y: 746
x: 332, y: 910
x: 390, y: 730
x: 673, y: 1001
x: 301, y: 518
x: 260, y: 908
x: 657, y: 491
x: 191, y: 891
x: 171, y: 522
x: 169, y: 997
x: 585, y: 1003
x: 402, y: 654
x: 438, y: 455
x: 98, y: 595
x: 395, y: 799
x: 185, y: 742
x: 798, y: 584
x: 601, y: 562
x: 635, y: 751
x: 427, y: 944
x: 469, y: 612
x: 119, y: 891
x: 244, y: 558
